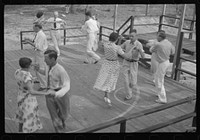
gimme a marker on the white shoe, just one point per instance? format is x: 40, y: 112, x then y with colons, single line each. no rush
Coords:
x: 107, y: 100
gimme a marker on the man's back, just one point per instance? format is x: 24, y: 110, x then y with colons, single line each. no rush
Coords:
x: 91, y: 25
x: 163, y: 50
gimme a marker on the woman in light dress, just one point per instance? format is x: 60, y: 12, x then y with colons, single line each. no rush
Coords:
x: 27, y: 112
x: 109, y: 72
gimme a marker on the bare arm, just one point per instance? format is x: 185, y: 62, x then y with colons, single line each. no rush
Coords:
x: 33, y: 91
x: 38, y: 69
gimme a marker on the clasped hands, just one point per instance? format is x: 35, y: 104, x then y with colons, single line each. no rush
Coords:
x: 51, y: 92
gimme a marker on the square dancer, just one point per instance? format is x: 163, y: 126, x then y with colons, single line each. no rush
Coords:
x: 58, y: 83
x: 91, y: 28
x: 134, y: 49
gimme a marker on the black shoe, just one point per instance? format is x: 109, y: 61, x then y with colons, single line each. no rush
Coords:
x: 41, y: 89
x: 86, y: 62
x: 96, y: 62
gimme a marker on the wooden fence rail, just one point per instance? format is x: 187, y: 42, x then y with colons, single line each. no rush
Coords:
x: 122, y: 120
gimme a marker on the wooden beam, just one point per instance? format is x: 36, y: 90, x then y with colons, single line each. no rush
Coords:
x: 147, y: 9
x: 115, y: 17
x: 164, y: 10
x: 170, y: 122
x: 135, y: 115
x: 178, y: 39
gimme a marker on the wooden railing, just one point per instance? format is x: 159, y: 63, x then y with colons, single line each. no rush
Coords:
x: 176, y: 74
x: 64, y: 34
x: 122, y: 120
x: 191, y: 28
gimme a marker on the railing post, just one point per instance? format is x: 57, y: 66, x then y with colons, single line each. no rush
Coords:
x: 160, y: 23
x: 179, y: 49
x: 123, y: 127
x: 64, y: 36
x: 132, y: 24
x: 194, y: 118
x: 21, y: 40
x: 192, y: 23
x: 191, y: 29
x: 147, y: 9
x: 100, y: 33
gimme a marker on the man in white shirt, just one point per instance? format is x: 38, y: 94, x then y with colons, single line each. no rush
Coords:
x: 91, y: 28
x: 134, y: 50
x: 58, y: 82
x: 40, y: 45
x: 154, y: 63
x: 55, y: 33
x: 163, y: 49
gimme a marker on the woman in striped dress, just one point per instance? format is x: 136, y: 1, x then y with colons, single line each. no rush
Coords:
x: 109, y: 72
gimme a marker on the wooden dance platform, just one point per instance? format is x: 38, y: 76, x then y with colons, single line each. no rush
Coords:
x: 87, y: 105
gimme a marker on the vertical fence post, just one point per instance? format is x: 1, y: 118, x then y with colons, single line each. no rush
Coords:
x: 64, y: 36
x: 178, y: 39
x: 160, y: 23
x: 194, y: 118
x: 163, y: 12
x: 132, y: 24
x: 115, y: 18
x: 21, y: 40
x: 179, y: 49
x: 192, y: 23
x: 100, y: 33
x: 147, y: 9
x: 123, y: 127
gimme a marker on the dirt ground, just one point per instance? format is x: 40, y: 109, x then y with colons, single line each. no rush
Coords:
x: 20, y: 17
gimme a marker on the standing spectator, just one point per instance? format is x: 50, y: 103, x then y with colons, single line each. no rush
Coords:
x: 163, y: 49
x: 91, y: 28
x: 134, y: 49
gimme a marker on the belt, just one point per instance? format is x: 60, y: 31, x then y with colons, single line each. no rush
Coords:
x: 37, y: 49
x: 57, y: 89
x: 111, y: 60
x: 131, y: 60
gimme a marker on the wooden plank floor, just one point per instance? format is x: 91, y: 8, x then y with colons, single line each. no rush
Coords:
x: 87, y: 105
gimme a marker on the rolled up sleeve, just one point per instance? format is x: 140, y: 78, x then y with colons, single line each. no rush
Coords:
x: 66, y: 84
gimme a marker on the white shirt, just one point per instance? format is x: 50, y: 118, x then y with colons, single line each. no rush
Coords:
x: 59, y: 78
x: 41, y: 41
x: 163, y: 50
x: 90, y: 26
x: 59, y: 22
x: 135, y: 54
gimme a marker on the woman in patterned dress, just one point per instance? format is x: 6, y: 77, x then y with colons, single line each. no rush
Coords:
x: 109, y: 72
x: 27, y: 113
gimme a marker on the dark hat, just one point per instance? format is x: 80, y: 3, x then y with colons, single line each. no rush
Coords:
x: 162, y: 35
x: 39, y: 14
x: 113, y: 36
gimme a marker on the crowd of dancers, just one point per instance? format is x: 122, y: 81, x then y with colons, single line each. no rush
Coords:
x: 55, y: 82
